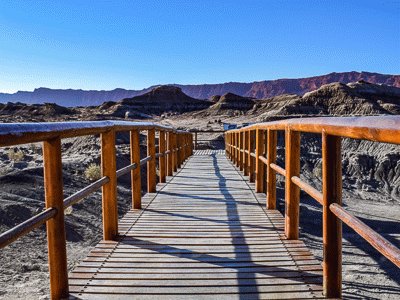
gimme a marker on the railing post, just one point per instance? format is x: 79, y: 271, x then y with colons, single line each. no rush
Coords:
x: 241, y: 138
x: 271, y: 176
x: 292, y: 191
x: 264, y: 153
x: 231, y: 153
x: 259, y: 164
x: 251, y: 158
x: 246, y: 155
x: 237, y: 149
x: 178, y: 143
x: 229, y: 141
x: 195, y: 140
x: 109, y: 190
x: 162, y: 157
x: 53, y: 184
x: 170, y: 157
x: 234, y: 148
x: 135, y: 174
x: 175, y: 152
x: 332, y: 226
x: 191, y: 144
x: 151, y: 164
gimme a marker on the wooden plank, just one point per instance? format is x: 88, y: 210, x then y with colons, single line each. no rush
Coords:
x: 205, y: 234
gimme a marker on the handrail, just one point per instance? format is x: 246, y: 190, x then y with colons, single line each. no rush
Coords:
x: 278, y: 169
x: 380, y: 243
x: 27, y: 226
x: 12, y: 134
x: 175, y: 146
x: 126, y: 170
x: 313, y: 192
x: 145, y: 160
x: 76, y: 197
x: 373, y: 128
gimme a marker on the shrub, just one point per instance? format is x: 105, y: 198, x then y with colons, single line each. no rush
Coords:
x: 93, y: 172
x: 15, y: 155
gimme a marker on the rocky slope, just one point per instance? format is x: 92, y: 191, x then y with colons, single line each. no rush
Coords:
x: 259, y: 89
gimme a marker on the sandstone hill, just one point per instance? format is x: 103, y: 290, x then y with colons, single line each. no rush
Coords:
x: 157, y: 101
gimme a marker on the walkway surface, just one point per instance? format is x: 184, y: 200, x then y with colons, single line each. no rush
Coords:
x: 204, y: 235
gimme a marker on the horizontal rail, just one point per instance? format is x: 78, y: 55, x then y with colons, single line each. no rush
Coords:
x: 383, y: 129
x: 263, y: 159
x: 145, y: 160
x: 23, y: 133
x: 278, y: 169
x: 126, y: 170
x: 168, y: 152
x: 381, y: 244
x: 314, y: 193
x: 23, y: 228
x: 78, y: 196
x: 252, y: 154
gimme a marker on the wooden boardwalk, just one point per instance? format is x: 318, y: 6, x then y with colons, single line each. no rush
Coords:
x: 204, y: 235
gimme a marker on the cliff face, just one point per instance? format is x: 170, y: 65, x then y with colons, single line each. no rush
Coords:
x: 259, y: 90
x: 271, y: 88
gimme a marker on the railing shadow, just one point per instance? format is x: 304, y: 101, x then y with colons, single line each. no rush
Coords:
x: 232, y: 214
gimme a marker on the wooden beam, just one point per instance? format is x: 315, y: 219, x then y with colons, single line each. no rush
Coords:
x: 135, y: 173
x: 246, y: 155
x: 151, y: 164
x: 292, y: 191
x: 170, y: 156
x: 175, y: 152
x: 271, y: 176
x: 161, y: 159
x: 53, y: 187
x: 259, y: 164
x: 252, y: 141
x: 109, y: 190
x: 332, y: 226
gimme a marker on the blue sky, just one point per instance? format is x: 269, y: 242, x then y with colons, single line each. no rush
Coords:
x: 135, y: 44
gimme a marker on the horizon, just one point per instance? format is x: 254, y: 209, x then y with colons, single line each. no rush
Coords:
x: 190, y: 84
x: 133, y: 46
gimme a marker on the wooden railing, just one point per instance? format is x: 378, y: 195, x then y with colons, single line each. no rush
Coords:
x: 174, y: 147
x: 254, y: 148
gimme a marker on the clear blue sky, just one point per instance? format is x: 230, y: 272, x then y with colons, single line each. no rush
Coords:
x: 135, y: 44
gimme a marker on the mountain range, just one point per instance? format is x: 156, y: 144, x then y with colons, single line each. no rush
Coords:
x: 257, y: 89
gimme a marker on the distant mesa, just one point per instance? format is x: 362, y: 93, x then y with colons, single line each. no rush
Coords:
x: 159, y: 100
x: 259, y: 89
